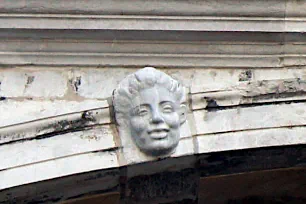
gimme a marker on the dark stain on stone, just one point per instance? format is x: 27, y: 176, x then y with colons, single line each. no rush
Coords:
x: 184, y: 201
x: 77, y: 82
x: 73, y: 124
x: 88, y: 116
x: 211, y: 103
x: 66, y: 124
x: 92, y: 193
x: 163, y: 185
x: 231, y: 162
x: 50, y: 200
x: 276, y: 96
x: 245, y: 75
x: 30, y: 80
x: 61, y: 127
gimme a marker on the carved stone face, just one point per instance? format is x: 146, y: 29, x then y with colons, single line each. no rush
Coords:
x: 150, y: 106
x: 155, y: 120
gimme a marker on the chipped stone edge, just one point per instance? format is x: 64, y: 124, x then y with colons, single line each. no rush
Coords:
x: 54, y: 125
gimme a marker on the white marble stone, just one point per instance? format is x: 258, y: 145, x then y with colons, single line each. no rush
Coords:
x: 12, y: 83
x: 26, y: 83
x: 185, y: 147
x: 212, y: 80
x: 63, y: 145
x: 98, y: 83
x: 28, y: 110
x: 262, y: 91
x: 273, y: 8
x: 46, y: 84
x: 258, y: 117
x: 251, y: 139
x: 56, y: 168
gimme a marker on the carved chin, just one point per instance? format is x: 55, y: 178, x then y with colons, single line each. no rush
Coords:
x: 158, y: 147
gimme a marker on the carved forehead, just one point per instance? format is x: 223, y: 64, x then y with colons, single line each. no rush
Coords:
x: 154, y: 95
x: 132, y: 85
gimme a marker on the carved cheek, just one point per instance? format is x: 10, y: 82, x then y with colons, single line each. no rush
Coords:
x: 139, y: 124
x: 172, y: 120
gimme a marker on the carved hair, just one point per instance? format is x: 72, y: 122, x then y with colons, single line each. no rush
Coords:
x: 142, y: 79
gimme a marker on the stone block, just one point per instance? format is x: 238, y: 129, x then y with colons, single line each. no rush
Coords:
x: 97, y: 83
x: 54, y: 147
x: 56, y: 168
x: 250, y: 118
x: 251, y: 139
x: 46, y: 84
x: 163, y: 187
x: 28, y: 110
x: 213, y: 80
x: 23, y: 83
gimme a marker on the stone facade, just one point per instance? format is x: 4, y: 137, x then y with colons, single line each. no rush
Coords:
x: 243, y: 66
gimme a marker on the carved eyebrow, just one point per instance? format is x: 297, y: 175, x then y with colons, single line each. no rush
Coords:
x: 165, y: 102
x: 135, y: 109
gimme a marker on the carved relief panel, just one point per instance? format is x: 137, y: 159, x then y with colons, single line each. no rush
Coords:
x: 150, y: 108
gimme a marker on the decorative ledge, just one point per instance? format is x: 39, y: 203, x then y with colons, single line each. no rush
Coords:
x: 135, y: 53
x: 165, y: 23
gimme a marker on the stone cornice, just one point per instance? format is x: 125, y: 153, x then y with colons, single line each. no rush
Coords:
x: 133, y: 53
x: 165, y: 23
x: 260, y: 8
x: 153, y: 23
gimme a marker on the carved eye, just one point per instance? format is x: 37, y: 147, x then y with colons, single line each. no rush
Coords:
x: 167, y: 108
x: 142, y: 112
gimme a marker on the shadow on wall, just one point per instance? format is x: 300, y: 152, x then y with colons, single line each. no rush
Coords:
x: 268, y: 200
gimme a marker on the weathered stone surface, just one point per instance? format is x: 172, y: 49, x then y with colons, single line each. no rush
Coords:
x: 107, y: 198
x: 168, y: 23
x: 185, y: 147
x: 97, y: 83
x: 23, y: 83
x: 250, y: 118
x: 131, y: 155
x: 136, y: 49
x: 251, y: 139
x: 12, y: 84
x: 54, y: 126
x: 296, y: 8
x: 163, y: 187
x: 51, y: 148
x: 55, y: 168
x: 273, y: 8
x: 250, y: 160
x: 61, y: 189
x: 263, y: 91
x: 212, y: 80
x: 61, y: 57
x: 282, y: 186
x: 29, y: 110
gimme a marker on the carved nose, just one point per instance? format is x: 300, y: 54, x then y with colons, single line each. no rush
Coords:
x: 156, y: 117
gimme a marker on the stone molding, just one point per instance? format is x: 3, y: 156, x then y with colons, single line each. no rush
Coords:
x: 54, y: 125
x: 164, y: 23
x: 133, y: 53
x: 144, y: 22
x: 260, y: 8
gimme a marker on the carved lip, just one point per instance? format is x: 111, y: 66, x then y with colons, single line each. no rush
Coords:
x: 159, y: 133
